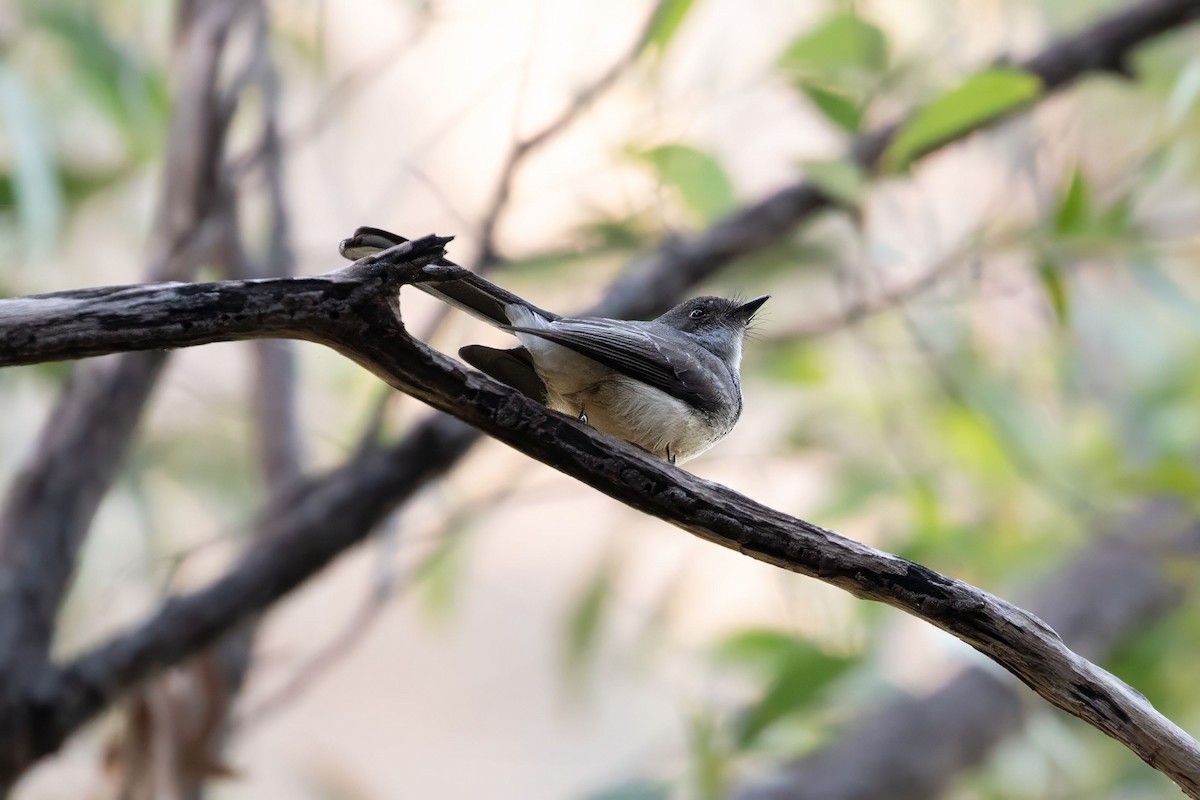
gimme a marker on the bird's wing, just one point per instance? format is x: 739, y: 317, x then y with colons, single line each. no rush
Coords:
x: 514, y: 367
x: 639, y: 352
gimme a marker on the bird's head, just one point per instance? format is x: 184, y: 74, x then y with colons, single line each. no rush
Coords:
x: 717, y: 323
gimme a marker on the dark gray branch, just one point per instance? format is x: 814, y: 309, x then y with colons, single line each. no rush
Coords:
x: 355, y: 311
x: 912, y: 748
x: 276, y: 411
x: 82, y: 323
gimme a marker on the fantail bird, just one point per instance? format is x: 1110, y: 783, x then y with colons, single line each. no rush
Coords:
x: 670, y: 385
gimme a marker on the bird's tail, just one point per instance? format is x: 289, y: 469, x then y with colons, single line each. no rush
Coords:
x: 472, y: 293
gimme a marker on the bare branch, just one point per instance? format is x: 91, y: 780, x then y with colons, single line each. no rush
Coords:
x: 91, y: 322
x: 340, y: 645
x: 489, y: 255
x: 274, y: 390
x: 355, y: 311
x: 523, y: 149
x: 175, y: 754
x: 891, y: 297
x: 913, y: 747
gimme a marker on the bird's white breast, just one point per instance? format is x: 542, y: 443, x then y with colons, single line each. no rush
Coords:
x: 614, y: 403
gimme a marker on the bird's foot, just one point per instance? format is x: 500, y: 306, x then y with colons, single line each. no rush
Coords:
x: 583, y: 416
x: 670, y: 456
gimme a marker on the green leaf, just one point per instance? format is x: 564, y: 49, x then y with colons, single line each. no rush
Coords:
x: 668, y: 16
x: 75, y: 185
x: 796, y: 362
x: 1116, y: 220
x: 925, y: 503
x: 1184, y: 94
x: 441, y: 574
x: 131, y: 92
x: 709, y: 761
x: 698, y: 178
x: 980, y: 99
x: 1051, y: 275
x: 616, y: 234
x: 792, y: 690
x: 841, y: 180
x: 970, y: 439
x: 760, y: 649
x: 796, y: 670
x: 586, y: 618
x: 844, y: 41
x: 1171, y: 475
x: 35, y: 185
x: 1074, y: 209
x: 839, y: 108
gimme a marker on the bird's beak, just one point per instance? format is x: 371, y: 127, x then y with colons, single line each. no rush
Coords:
x: 746, y: 311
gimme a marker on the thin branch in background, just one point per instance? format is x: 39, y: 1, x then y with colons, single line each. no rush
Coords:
x: 388, y: 579
x: 521, y: 150
x: 276, y: 415
x: 488, y: 255
x: 50, y: 506
x: 339, y: 94
x: 176, y: 726
x: 340, y: 645
x: 347, y: 88
x: 889, y: 298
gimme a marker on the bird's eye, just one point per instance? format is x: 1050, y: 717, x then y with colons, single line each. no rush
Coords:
x: 697, y: 313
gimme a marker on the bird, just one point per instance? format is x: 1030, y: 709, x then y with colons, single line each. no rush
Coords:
x: 671, y: 385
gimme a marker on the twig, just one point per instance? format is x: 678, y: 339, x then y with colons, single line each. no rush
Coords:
x: 489, y: 255
x: 338, y: 647
x: 523, y: 149
x: 374, y: 602
x: 274, y: 391
x: 888, y: 299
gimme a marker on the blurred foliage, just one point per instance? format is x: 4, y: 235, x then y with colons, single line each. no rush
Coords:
x: 1000, y: 450
x: 668, y: 16
x: 841, y: 179
x: 979, y: 99
x: 697, y: 177
x: 80, y: 128
x: 586, y: 617
x: 794, y: 671
x: 843, y: 43
x: 837, y: 66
